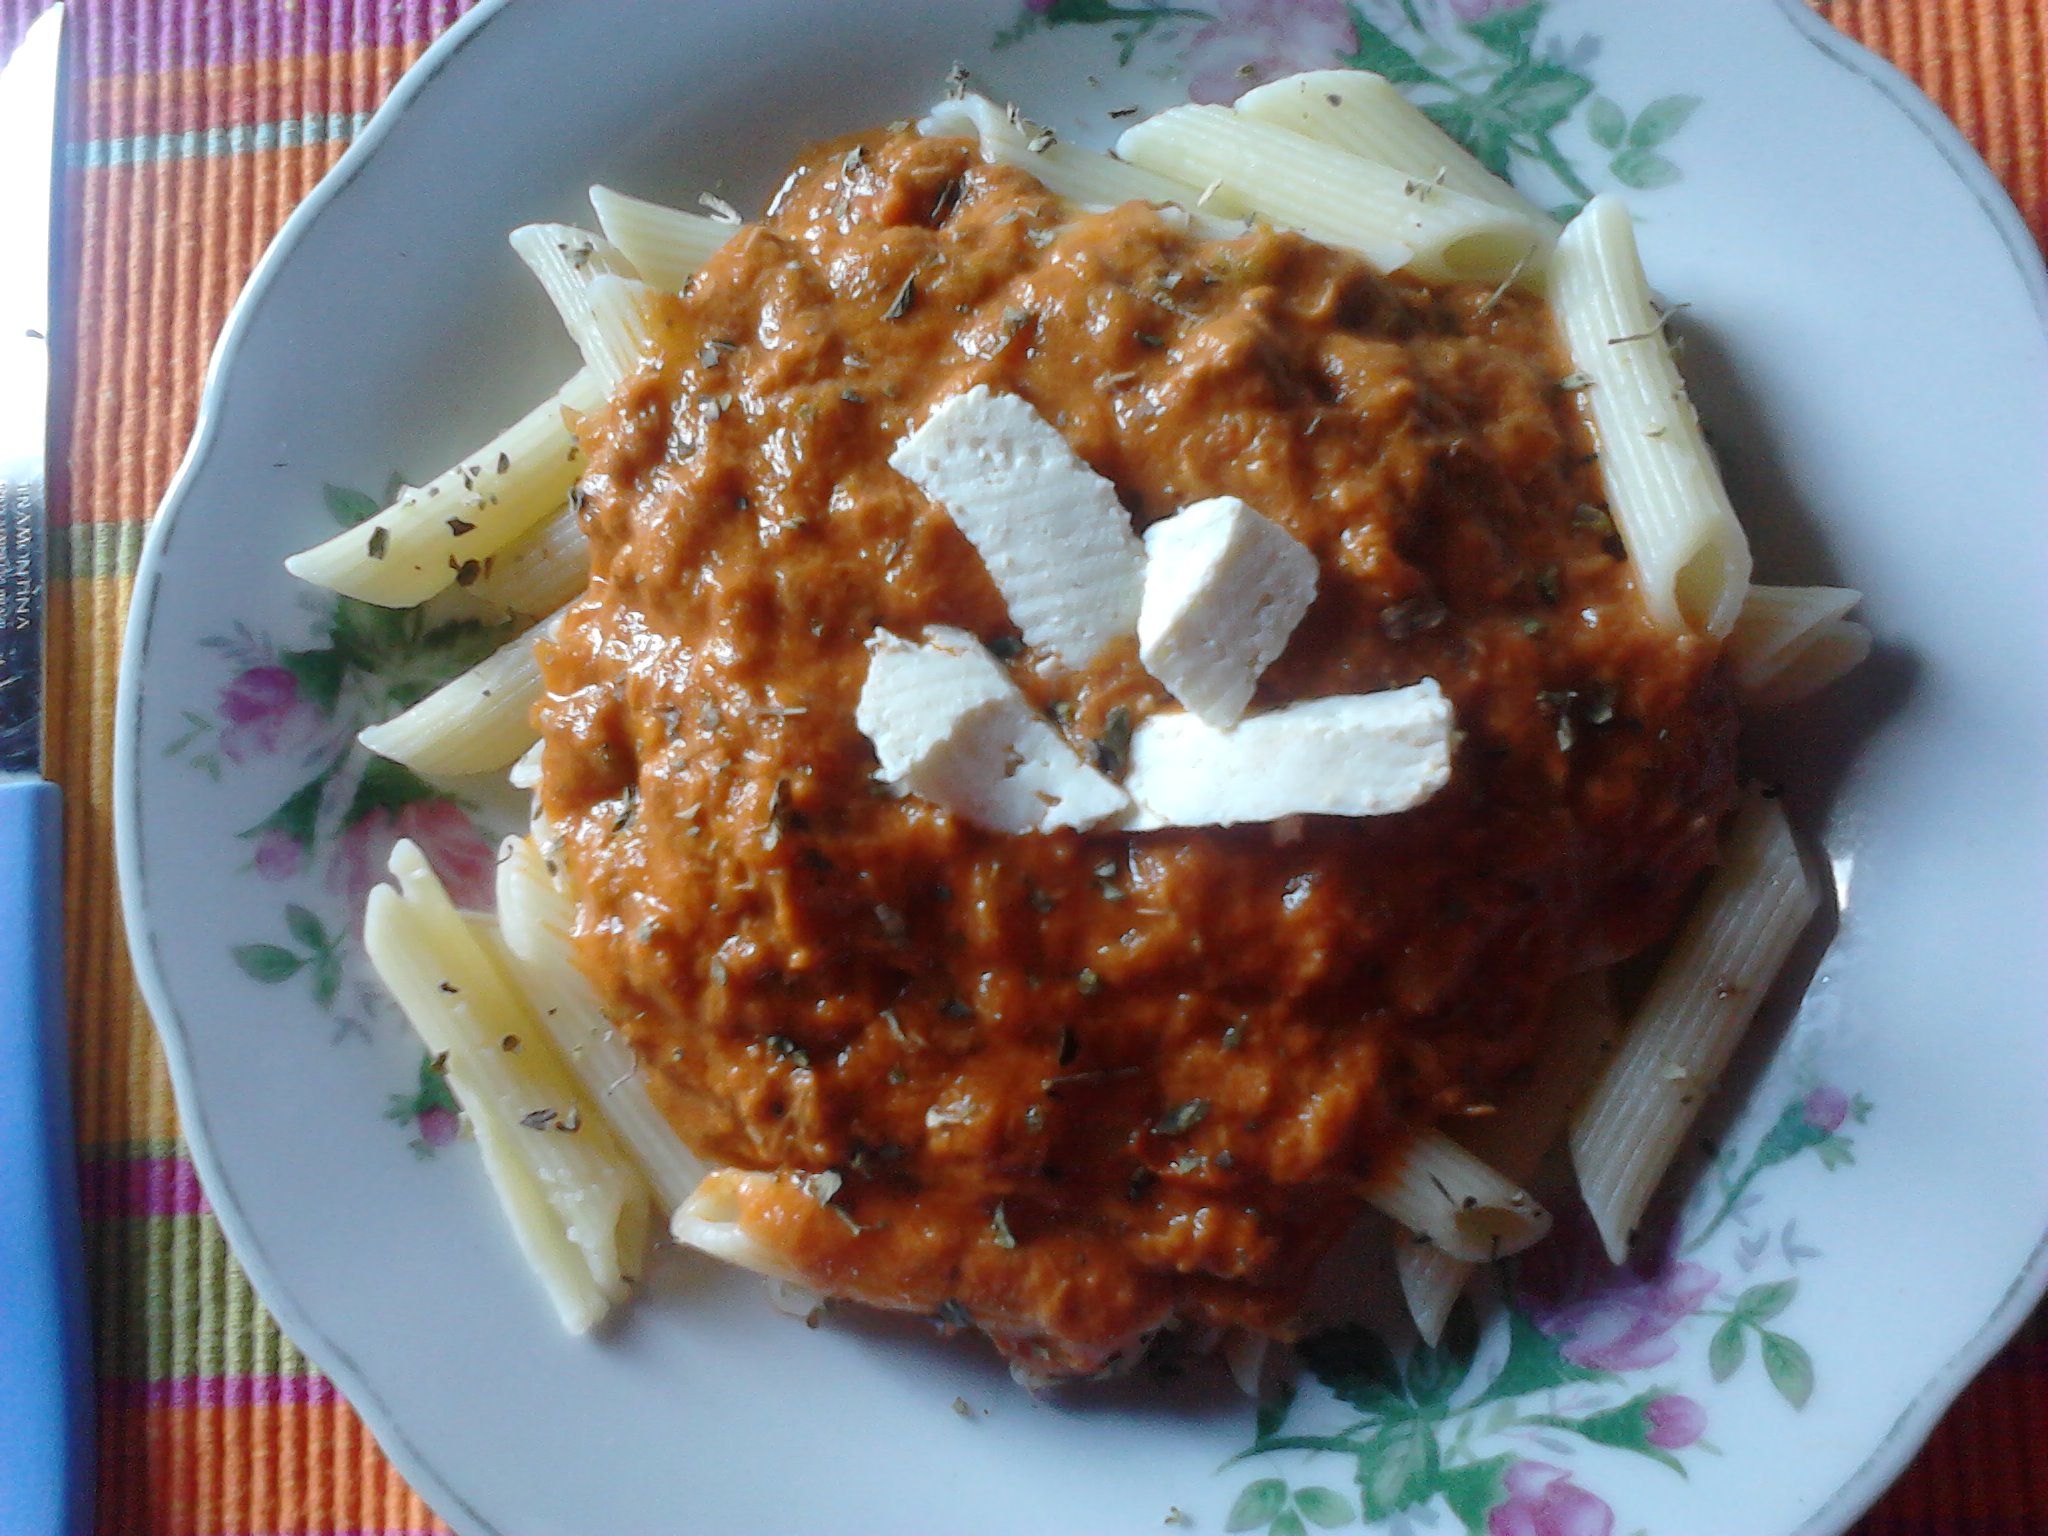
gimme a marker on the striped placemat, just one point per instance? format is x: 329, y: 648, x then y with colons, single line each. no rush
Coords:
x: 195, y: 126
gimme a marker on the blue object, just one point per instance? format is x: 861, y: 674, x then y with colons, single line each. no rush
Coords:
x: 45, y: 1373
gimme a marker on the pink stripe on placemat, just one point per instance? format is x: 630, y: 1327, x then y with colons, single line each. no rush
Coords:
x: 154, y: 37
x: 224, y: 1392
x: 145, y: 1186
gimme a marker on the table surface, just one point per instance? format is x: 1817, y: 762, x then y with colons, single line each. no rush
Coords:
x: 195, y: 126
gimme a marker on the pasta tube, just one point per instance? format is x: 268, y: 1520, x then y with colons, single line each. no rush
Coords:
x: 1632, y: 1124
x: 1515, y: 1138
x: 574, y: 1202
x: 479, y: 721
x: 666, y: 246
x: 1357, y: 111
x: 1389, y: 218
x: 441, y: 533
x: 1665, y: 491
x: 1443, y: 1193
x: 538, y: 919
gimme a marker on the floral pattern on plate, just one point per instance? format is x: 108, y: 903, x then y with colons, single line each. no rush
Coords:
x: 1495, y: 76
x: 327, y: 840
x: 1567, y: 1358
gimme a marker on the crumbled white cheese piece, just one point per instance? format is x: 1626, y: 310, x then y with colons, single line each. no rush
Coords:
x: 525, y: 774
x: 1051, y: 531
x: 1350, y: 755
x: 949, y: 726
x: 1224, y: 588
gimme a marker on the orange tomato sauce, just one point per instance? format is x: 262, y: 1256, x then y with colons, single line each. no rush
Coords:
x: 1076, y: 1086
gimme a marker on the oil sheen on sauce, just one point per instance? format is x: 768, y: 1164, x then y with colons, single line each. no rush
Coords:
x: 1075, y: 1086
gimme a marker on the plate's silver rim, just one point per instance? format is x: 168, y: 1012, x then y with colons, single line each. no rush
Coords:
x: 1887, y: 1460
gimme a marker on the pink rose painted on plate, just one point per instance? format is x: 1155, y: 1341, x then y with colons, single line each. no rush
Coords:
x: 1625, y: 1322
x: 262, y: 712
x: 1248, y: 42
x: 1544, y: 1501
x: 1672, y: 1422
x: 462, y: 856
x: 279, y: 855
x: 1826, y: 1108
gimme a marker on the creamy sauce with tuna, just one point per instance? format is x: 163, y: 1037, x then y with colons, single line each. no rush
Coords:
x: 1072, y: 1085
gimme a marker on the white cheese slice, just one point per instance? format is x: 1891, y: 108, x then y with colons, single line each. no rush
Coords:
x: 1224, y: 588
x: 1051, y: 531
x: 1350, y: 755
x: 949, y: 726
x: 525, y: 774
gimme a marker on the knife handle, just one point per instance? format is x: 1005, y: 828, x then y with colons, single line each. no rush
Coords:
x: 45, y: 1407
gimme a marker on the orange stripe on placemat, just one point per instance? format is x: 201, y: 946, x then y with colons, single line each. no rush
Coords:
x: 246, y: 91
x: 166, y: 248
x: 264, y: 1469
x: 1985, y: 62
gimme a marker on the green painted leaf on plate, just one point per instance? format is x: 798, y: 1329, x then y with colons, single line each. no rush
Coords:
x: 1644, y: 169
x: 1257, y: 1505
x: 1379, y: 53
x: 1325, y: 1507
x: 1789, y: 1366
x: 305, y: 927
x: 270, y: 963
x: 318, y: 673
x: 1534, y: 1363
x: 326, y: 978
x: 1474, y: 1491
x: 1626, y: 1427
x: 1727, y: 1350
x: 386, y: 786
x: 1537, y: 95
x: 1397, y: 1468
x: 1761, y: 1303
x: 1660, y: 120
x: 1606, y: 122
x: 1511, y: 34
x: 349, y: 507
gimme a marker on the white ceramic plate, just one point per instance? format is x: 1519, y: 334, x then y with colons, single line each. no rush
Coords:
x: 1867, y: 339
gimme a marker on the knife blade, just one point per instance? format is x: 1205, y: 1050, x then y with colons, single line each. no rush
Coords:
x: 45, y: 1426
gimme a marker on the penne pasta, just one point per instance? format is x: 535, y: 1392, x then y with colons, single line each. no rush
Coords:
x: 1756, y: 905
x: 624, y: 317
x: 1664, y: 489
x: 1360, y: 112
x: 538, y: 919
x: 1789, y: 642
x: 1835, y: 649
x: 537, y: 575
x: 480, y: 721
x: 1446, y: 1196
x: 1088, y: 179
x: 574, y: 1202
x: 604, y: 306
x: 666, y: 245
x: 709, y: 1221
x: 1515, y: 1138
x: 441, y: 534
x: 1391, y: 219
